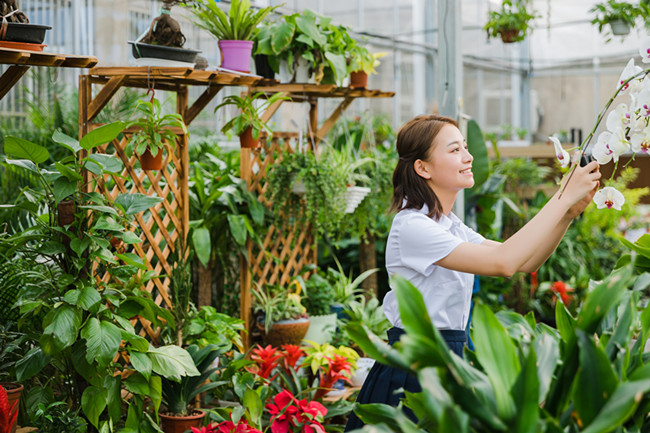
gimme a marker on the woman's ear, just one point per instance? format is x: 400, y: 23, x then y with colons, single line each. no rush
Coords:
x: 421, y: 169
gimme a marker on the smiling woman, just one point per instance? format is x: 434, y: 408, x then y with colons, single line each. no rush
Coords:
x: 434, y: 250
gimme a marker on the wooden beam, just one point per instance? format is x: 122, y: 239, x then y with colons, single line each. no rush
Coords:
x: 104, y: 96
x: 329, y: 123
x: 270, y: 111
x: 10, y: 78
x: 202, y: 101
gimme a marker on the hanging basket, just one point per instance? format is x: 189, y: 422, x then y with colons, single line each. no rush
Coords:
x: 620, y: 27
x: 509, y: 36
x: 354, y: 196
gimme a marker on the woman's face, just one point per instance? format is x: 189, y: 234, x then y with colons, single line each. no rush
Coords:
x: 449, y: 164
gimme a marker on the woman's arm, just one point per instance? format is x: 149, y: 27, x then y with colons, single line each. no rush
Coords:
x: 553, y: 240
x: 535, y: 241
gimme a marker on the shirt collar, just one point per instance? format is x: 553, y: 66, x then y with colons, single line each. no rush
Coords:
x: 447, y: 222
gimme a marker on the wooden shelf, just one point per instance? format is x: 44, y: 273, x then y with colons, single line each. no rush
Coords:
x: 532, y: 151
x: 21, y: 61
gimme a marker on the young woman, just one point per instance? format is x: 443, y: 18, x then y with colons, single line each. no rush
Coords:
x: 432, y: 248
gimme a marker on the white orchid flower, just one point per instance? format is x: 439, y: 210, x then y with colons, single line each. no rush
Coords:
x: 610, y: 145
x: 630, y: 70
x: 640, y: 141
x: 618, y: 117
x: 642, y: 105
x: 609, y: 198
x: 561, y: 154
x: 644, y: 49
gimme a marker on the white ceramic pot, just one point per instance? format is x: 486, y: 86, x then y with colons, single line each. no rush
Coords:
x: 363, y: 368
x: 354, y: 196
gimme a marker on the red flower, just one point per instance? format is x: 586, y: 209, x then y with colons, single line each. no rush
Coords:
x: 230, y: 427
x: 290, y: 414
x: 266, y: 359
x: 336, y: 369
x: 561, y: 289
x: 292, y: 355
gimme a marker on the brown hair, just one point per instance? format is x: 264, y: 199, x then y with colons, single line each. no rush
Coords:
x: 415, y: 141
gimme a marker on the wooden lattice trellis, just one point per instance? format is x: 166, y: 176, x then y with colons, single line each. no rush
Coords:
x: 292, y: 247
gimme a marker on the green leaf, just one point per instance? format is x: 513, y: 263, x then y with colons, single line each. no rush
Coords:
x: 133, y: 260
x: 102, y: 341
x: 619, y: 407
x: 137, y: 384
x: 23, y: 149
x: 337, y: 63
x: 101, y: 135
x: 99, y: 162
x: 24, y: 164
x: 237, y: 226
x: 67, y: 141
x: 497, y: 355
x: 31, y: 364
x: 136, y: 202
x: 202, y: 244
x: 566, y: 324
x: 69, y: 173
x: 602, y: 298
x: 525, y: 393
x: 63, y: 325
x: 63, y: 188
x: 282, y: 36
x: 113, y: 386
x: 595, y: 381
x: 93, y: 403
x: 308, y: 26
x: 172, y: 362
x: 107, y: 223
x: 478, y: 149
x: 253, y: 404
x: 548, y: 354
x: 142, y: 363
x: 88, y: 297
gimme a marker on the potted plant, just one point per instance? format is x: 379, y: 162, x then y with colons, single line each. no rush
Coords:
x: 283, y: 318
x: 18, y: 33
x: 164, y: 39
x: 348, y: 163
x: 512, y: 22
x: 619, y: 15
x: 306, y: 188
x: 154, y: 133
x: 235, y: 32
x: 248, y: 123
x: 178, y: 395
x: 303, y: 45
x: 319, y: 296
x: 361, y: 63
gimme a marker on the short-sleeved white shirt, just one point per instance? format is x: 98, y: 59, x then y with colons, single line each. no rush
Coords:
x: 415, y: 243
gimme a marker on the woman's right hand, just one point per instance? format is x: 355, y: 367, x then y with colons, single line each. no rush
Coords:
x: 583, y: 182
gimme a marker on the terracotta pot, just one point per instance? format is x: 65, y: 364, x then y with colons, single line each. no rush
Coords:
x: 509, y: 36
x: 150, y: 162
x: 286, y: 332
x: 14, y: 391
x: 246, y: 139
x: 66, y: 210
x: 179, y: 424
x: 359, y: 80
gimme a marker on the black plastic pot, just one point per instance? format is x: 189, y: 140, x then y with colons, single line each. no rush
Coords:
x: 262, y: 66
x: 138, y: 49
x: 25, y: 32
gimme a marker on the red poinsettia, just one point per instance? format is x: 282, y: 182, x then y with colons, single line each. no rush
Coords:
x: 288, y: 414
x: 563, y: 290
x: 266, y: 359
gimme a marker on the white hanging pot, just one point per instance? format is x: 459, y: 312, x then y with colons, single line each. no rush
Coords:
x: 619, y: 27
x: 354, y: 196
x: 301, y: 72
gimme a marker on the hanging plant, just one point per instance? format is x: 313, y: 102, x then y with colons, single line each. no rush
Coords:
x: 512, y: 22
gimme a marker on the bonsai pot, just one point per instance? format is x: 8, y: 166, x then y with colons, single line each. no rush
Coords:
x: 236, y: 55
x: 14, y: 390
x: 359, y: 80
x: 179, y: 424
x: 285, y: 332
x: 150, y: 162
x: 509, y: 36
x: 619, y: 27
x: 246, y: 139
x: 139, y: 50
x: 25, y: 32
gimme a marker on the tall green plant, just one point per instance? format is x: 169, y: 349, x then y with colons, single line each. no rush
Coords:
x: 240, y: 23
x: 588, y: 375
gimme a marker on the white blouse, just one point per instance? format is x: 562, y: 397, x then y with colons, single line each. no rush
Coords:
x: 415, y: 243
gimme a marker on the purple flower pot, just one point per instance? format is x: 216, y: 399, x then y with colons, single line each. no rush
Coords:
x: 236, y: 55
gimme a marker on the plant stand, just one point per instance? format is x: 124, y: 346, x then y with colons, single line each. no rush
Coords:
x: 168, y: 221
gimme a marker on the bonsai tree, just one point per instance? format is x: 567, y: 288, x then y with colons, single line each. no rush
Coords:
x: 250, y: 115
x: 619, y: 15
x: 154, y: 130
x: 165, y: 30
x: 9, y: 6
x: 512, y: 22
